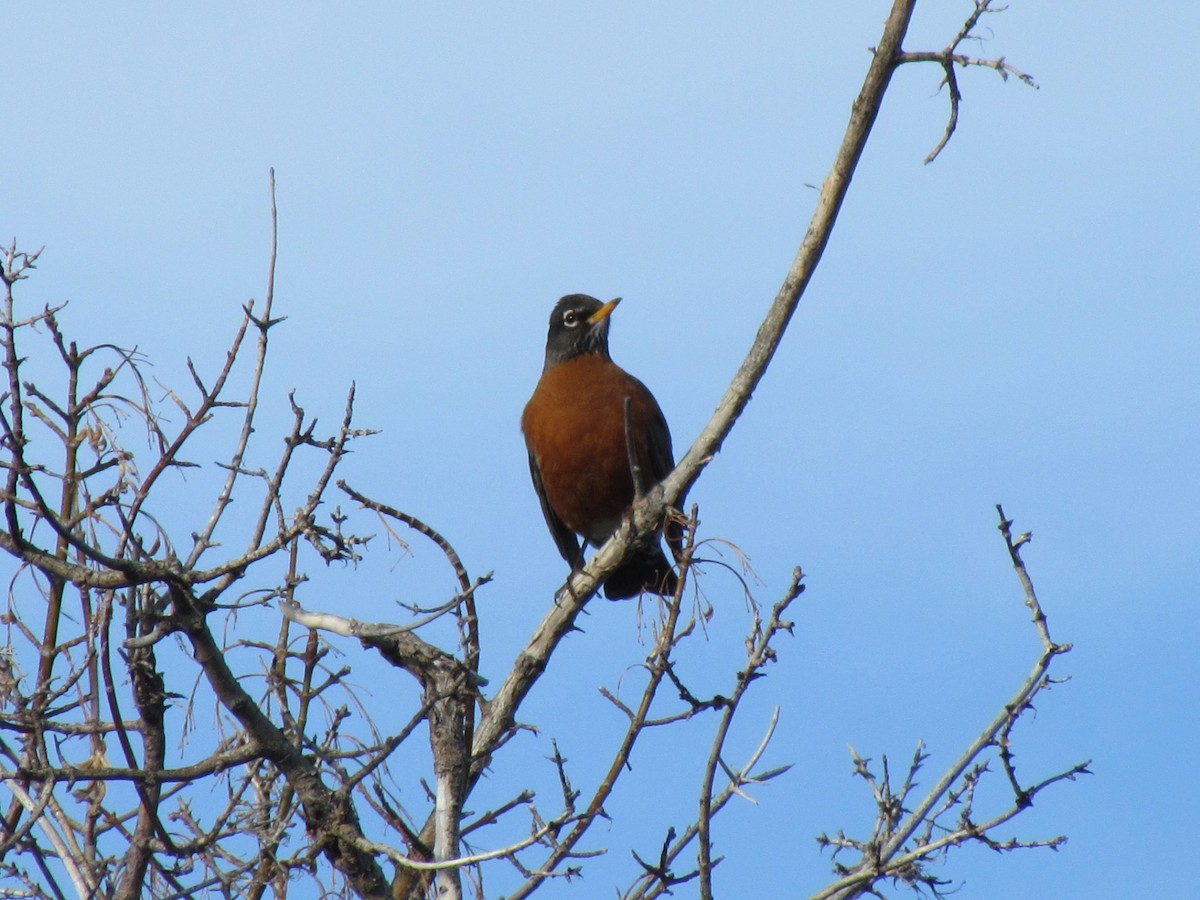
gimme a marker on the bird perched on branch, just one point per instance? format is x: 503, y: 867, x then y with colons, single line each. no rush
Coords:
x: 596, y: 437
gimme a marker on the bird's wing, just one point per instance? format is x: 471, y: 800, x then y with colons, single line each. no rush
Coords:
x: 564, y: 537
x: 661, y: 462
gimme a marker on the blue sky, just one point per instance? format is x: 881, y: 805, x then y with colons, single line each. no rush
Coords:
x: 1015, y: 323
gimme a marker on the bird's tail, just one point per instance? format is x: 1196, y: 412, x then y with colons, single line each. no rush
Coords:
x: 646, y: 569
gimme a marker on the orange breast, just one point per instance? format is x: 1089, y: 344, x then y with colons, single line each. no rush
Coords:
x: 574, y: 426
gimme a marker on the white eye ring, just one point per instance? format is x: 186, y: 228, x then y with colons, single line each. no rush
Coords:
x: 570, y: 318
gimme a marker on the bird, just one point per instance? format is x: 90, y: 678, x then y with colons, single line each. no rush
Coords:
x: 579, y: 452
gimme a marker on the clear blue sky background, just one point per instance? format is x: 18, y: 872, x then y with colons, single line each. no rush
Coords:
x: 1016, y: 323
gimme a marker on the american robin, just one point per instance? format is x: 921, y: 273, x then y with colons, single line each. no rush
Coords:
x: 579, y: 451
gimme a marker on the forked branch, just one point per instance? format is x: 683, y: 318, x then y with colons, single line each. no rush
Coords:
x: 902, y: 842
x: 949, y: 57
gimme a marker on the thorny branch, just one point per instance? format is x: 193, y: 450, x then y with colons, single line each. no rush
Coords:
x: 658, y: 879
x: 903, y: 842
x: 115, y: 839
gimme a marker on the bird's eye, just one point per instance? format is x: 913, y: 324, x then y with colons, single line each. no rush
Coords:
x: 570, y: 318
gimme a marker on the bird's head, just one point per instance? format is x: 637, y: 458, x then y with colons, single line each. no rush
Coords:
x: 578, y: 325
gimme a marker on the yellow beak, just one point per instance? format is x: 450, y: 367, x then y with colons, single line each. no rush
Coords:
x: 603, y: 312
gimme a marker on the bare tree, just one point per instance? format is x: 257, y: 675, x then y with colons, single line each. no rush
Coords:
x: 131, y: 599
